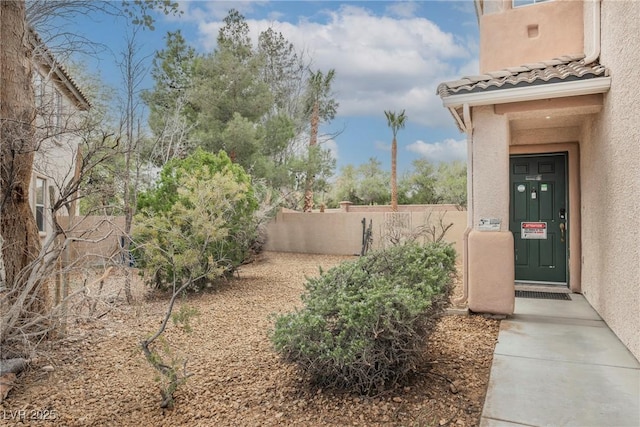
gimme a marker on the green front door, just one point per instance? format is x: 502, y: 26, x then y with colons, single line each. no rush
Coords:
x: 538, y: 217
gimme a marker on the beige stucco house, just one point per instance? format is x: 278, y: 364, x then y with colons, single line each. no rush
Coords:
x: 59, y: 105
x: 553, y: 131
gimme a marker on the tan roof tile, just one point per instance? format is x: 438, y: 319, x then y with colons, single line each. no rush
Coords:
x: 568, y: 67
x: 500, y: 73
x: 536, y: 65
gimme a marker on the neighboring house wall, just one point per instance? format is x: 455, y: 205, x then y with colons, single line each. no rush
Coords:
x: 610, y: 168
x: 511, y: 37
x: 54, y: 162
x: 59, y: 104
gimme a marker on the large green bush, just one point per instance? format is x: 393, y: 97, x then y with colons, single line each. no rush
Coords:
x: 197, y: 223
x: 365, y: 324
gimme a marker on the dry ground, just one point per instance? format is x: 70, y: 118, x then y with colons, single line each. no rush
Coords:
x: 98, y: 376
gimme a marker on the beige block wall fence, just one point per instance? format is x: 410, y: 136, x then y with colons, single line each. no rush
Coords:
x: 99, y: 238
x: 333, y: 232
x: 339, y: 231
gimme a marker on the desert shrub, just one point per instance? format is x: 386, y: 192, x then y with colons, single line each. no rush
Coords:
x: 365, y: 324
x: 197, y: 223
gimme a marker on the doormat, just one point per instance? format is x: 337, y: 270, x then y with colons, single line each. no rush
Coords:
x: 543, y: 295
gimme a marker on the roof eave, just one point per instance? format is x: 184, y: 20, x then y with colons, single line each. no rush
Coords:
x: 81, y: 101
x: 47, y: 59
x: 529, y: 93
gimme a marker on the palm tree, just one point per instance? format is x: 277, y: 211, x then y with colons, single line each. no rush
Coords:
x: 395, y: 122
x: 319, y: 107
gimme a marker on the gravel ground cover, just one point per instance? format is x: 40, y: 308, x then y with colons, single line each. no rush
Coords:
x: 97, y: 376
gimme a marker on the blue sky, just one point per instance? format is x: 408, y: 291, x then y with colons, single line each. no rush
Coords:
x: 387, y: 56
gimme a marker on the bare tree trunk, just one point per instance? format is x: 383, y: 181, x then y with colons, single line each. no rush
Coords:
x: 17, y: 139
x: 3, y: 273
x: 66, y: 257
x: 128, y: 219
x: 313, y: 141
x: 128, y: 209
x: 394, y: 175
x: 133, y: 71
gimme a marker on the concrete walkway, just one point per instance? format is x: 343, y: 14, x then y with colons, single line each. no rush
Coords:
x: 558, y: 364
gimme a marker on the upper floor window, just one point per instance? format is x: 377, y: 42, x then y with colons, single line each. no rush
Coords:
x: 518, y: 3
x: 38, y: 85
x: 40, y: 203
x: 56, y: 114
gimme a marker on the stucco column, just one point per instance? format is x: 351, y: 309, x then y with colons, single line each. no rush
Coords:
x: 344, y: 206
x: 491, y: 254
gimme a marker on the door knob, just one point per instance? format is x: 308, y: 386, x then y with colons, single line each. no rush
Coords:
x: 562, y: 228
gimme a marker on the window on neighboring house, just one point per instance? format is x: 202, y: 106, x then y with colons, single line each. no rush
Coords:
x: 56, y: 114
x: 38, y: 85
x: 40, y: 203
x: 518, y: 3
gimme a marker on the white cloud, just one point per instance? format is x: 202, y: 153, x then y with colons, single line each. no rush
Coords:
x: 200, y: 11
x: 405, y: 9
x: 332, y: 146
x: 441, y: 151
x: 381, y: 62
x: 469, y: 69
x: 382, y: 146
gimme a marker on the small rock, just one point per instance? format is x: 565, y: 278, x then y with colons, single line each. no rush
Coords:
x: 48, y: 368
x: 397, y: 399
x: 453, y: 388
